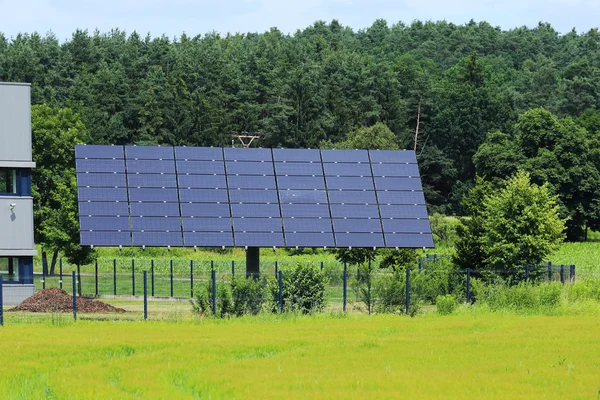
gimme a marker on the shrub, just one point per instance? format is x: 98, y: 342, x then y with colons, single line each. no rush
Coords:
x: 248, y: 295
x: 303, y: 289
x: 438, y: 278
x: 202, y: 300
x: 445, y: 304
x: 390, y: 291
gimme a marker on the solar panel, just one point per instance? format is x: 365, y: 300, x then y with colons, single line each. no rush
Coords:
x: 100, y: 165
x: 157, y: 239
x: 405, y: 225
x: 100, y: 238
x: 354, y: 211
x: 253, y: 196
x: 208, y: 239
x: 408, y: 240
x: 357, y: 225
x: 99, y: 152
x: 204, y: 195
x: 249, y: 168
x: 104, y: 208
x: 152, y: 180
x: 153, y: 194
x: 393, y: 183
x: 199, y: 153
x: 298, y: 168
x: 154, y: 209
x: 102, y: 194
x: 202, y: 181
x: 257, y: 224
x: 309, y: 239
x: 201, y: 167
x: 349, y: 183
x: 95, y: 223
x: 395, y: 170
x: 359, y: 239
x: 345, y: 156
x: 151, y: 166
x: 255, y: 210
x: 392, y: 156
x: 300, y: 182
x: 241, y: 154
x: 101, y: 180
x: 305, y: 210
x: 307, y: 225
x: 156, y: 223
x: 259, y: 239
x: 204, y: 210
x: 400, y: 197
x: 347, y: 169
x: 297, y: 155
x: 149, y: 152
x: 403, y: 211
x: 352, y: 197
x: 214, y: 224
x: 303, y: 196
x: 251, y: 182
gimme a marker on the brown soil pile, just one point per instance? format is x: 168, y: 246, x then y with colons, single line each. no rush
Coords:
x: 57, y: 300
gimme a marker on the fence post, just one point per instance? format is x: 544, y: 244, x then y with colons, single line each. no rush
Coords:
x: 60, y: 272
x: 79, y: 279
x: 549, y: 271
x: 43, y: 279
x: 527, y: 273
x: 191, y: 278
x: 572, y: 273
x: 276, y: 269
x: 145, y: 295
x: 407, y: 289
x: 562, y: 274
x: 1, y: 303
x: 232, y: 268
x: 171, y: 272
x: 280, y: 292
x: 132, y: 277
x: 152, y: 277
x: 214, y: 291
x: 321, y: 266
x: 115, y: 276
x: 421, y: 261
x: 74, y: 296
x: 469, y: 285
x: 96, y: 278
x: 345, y: 284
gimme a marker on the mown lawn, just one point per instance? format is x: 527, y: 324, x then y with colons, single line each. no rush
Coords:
x: 282, y: 357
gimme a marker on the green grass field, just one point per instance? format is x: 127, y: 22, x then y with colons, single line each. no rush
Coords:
x: 281, y: 357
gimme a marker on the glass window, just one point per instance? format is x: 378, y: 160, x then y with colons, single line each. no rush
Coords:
x: 8, y: 181
x: 9, y: 268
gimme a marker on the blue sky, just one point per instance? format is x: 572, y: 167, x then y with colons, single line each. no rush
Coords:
x: 173, y: 17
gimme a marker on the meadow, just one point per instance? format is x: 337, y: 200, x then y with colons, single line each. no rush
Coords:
x: 468, y: 355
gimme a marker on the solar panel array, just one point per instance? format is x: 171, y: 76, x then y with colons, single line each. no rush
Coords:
x: 199, y: 196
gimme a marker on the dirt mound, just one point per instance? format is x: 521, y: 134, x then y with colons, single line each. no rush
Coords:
x: 57, y: 300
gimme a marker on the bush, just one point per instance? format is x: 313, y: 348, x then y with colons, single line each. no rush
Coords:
x: 445, y: 304
x: 438, y: 279
x: 248, y: 295
x: 390, y: 291
x: 303, y: 289
x: 202, y: 300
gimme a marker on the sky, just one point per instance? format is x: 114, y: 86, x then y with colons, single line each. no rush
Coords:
x: 194, y: 17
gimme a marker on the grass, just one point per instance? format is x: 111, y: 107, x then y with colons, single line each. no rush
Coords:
x: 324, y: 356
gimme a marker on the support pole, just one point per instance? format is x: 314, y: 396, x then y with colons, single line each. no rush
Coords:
x: 171, y: 269
x: 96, y: 270
x: 469, y: 285
x: 60, y: 272
x: 152, y: 277
x: 253, y: 262
x: 1, y: 303
x: 115, y: 276
x: 145, y: 295
x: 132, y: 277
x: 74, y: 296
x: 280, y: 292
x: 214, y: 292
x: 191, y: 278
x: 407, y: 289
x: 345, y: 285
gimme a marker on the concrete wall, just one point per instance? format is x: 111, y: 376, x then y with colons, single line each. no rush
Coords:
x: 15, y: 122
x: 16, y: 223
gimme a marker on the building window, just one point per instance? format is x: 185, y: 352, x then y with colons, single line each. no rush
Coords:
x: 8, y: 181
x: 9, y: 268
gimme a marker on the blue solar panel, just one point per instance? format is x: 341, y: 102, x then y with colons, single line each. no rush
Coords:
x: 154, y: 209
x: 408, y: 240
x: 109, y: 209
x: 203, y: 195
x: 300, y: 182
x: 149, y: 152
x: 347, y: 169
x: 208, y: 239
x: 251, y: 182
x: 354, y: 211
x: 156, y: 223
x: 259, y: 239
x: 345, y: 156
x: 202, y: 181
x: 151, y: 166
x: 309, y: 239
x: 393, y: 156
x: 214, y: 224
x: 257, y: 224
x: 102, y: 194
x: 204, y: 210
x: 400, y: 197
x: 296, y: 168
x: 242, y: 154
x: 349, y: 183
x: 104, y: 223
x: 201, y: 167
x: 153, y: 194
x: 255, y: 210
x: 352, y: 197
x: 100, y: 165
x: 199, y: 153
x: 406, y: 225
x: 359, y: 239
x: 305, y: 210
x: 102, y: 152
x: 253, y: 196
x: 101, y: 180
x: 99, y: 238
x: 301, y: 155
x: 307, y: 225
x: 157, y: 239
x: 303, y: 196
x: 357, y: 225
x: 392, y: 183
x: 403, y: 211
x: 152, y: 180
x: 249, y: 168
x: 395, y: 170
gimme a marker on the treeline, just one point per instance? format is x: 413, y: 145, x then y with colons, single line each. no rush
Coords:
x: 319, y: 84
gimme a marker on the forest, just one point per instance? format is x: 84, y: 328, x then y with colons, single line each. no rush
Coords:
x: 487, y: 101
